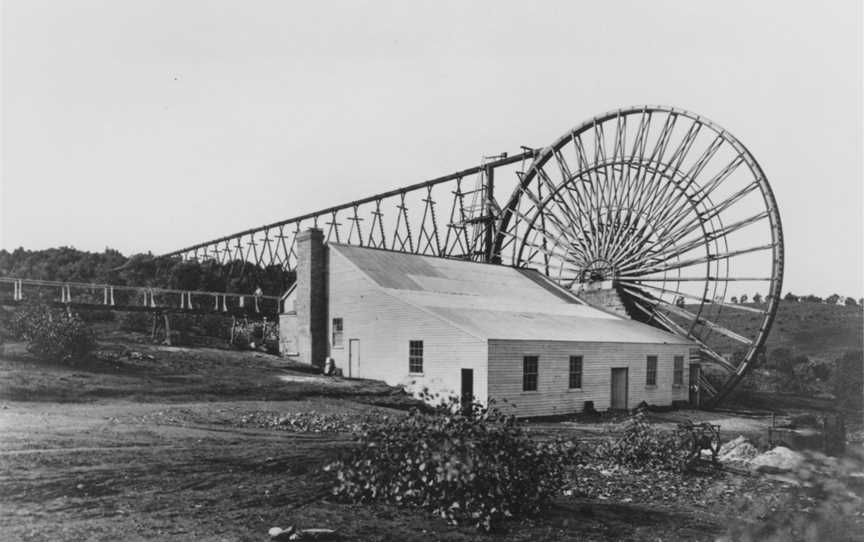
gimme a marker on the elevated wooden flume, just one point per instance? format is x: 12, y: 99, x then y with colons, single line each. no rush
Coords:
x: 136, y: 298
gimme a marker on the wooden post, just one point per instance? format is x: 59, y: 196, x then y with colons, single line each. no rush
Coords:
x: 167, y: 329
x: 153, y: 331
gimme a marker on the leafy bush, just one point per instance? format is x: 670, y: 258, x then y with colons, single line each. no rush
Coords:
x: 97, y: 316
x: 136, y: 321
x: 256, y: 334
x: 215, y: 325
x: 644, y: 447
x: 54, y: 335
x: 475, y: 468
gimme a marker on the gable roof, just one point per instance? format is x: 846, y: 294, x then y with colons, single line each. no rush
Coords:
x: 495, y: 301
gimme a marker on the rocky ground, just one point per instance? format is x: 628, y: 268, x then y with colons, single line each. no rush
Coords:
x: 150, y: 442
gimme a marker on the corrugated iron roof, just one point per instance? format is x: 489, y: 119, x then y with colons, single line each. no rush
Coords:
x: 495, y: 301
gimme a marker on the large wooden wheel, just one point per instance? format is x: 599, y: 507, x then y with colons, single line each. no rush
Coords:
x: 667, y: 209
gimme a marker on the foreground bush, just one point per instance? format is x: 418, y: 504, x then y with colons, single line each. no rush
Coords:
x: 645, y: 447
x: 53, y: 334
x: 477, y: 468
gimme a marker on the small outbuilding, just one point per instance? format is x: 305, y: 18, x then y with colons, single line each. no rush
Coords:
x: 462, y: 328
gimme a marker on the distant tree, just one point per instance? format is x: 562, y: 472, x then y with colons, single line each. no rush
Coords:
x: 757, y: 298
x: 850, y: 302
x: 734, y: 299
x: 790, y: 297
x: 743, y: 298
x: 813, y: 299
x: 832, y: 299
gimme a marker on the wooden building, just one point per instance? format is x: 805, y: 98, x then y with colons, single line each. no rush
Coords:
x: 456, y: 327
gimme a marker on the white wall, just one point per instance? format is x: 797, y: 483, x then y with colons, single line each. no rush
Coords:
x: 553, y: 396
x: 385, y: 326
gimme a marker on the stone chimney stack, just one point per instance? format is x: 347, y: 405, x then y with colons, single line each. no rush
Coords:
x: 311, y: 296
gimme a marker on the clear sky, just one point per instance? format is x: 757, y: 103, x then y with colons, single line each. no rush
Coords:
x: 145, y: 125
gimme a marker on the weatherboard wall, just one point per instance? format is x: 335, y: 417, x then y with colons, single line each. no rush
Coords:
x: 553, y: 396
x: 385, y: 325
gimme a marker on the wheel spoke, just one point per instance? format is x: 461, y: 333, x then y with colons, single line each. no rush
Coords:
x: 684, y: 313
x: 698, y: 261
x: 695, y: 298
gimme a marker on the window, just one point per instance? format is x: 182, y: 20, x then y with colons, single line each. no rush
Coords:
x: 575, y: 372
x: 678, y: 373
x: 651, y: 371
x: 337, y: 332
x: 415, y: 356
x: 529, y: 373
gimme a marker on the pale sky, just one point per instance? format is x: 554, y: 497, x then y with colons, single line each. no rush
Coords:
x: 144, y: 125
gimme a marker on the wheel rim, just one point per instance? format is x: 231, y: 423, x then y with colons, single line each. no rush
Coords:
x: 668, y: 210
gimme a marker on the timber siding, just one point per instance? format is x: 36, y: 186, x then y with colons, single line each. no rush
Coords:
x: 553, y: 397
x: 385, y: 325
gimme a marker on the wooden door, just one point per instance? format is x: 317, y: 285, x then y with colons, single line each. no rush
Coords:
x: 619, y: 389
x: 467, y: 388
x: 353, y: 358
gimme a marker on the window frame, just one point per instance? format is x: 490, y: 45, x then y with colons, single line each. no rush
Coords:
x: 678, y: 371
x: 651, y: 371
x: 578, y: 374
x: 415, y: 357
x: 530, y: 376
x: 340, y: 331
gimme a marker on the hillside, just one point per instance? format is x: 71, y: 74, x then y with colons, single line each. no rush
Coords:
x: 820, y: 332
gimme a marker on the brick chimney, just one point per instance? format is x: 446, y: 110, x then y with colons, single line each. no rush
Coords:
x: 311, y: 296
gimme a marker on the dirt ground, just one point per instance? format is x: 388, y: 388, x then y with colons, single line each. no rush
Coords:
x: 159, y: 443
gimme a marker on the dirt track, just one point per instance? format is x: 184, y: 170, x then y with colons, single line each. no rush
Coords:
x: 131, y: 447
x: 85, y: 472
x: 110, y: 471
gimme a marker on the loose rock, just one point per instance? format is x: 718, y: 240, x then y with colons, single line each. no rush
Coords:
x: 780, y: 459
x: 279, y: 534
x: 737, y: 450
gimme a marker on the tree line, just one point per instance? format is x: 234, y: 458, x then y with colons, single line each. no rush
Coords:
x: 67, y: 264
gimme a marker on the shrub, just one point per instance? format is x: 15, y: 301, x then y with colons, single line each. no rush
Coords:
x: 475, y: 468
x: 215, y: 325
x: 54, y: 335
x: 644, y: 447
x: 136, y: 321
x: 97, y: 316
x: 261, y: 333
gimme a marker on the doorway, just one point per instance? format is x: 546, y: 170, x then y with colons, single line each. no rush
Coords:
x: 353, y: 358
x: 618, y: 399
x: 467, y: 389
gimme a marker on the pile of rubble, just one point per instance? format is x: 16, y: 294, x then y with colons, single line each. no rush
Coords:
x: 739, y: 452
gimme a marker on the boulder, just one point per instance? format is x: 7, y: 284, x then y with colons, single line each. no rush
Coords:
x: 780, y: 459
x: 279, y: 534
